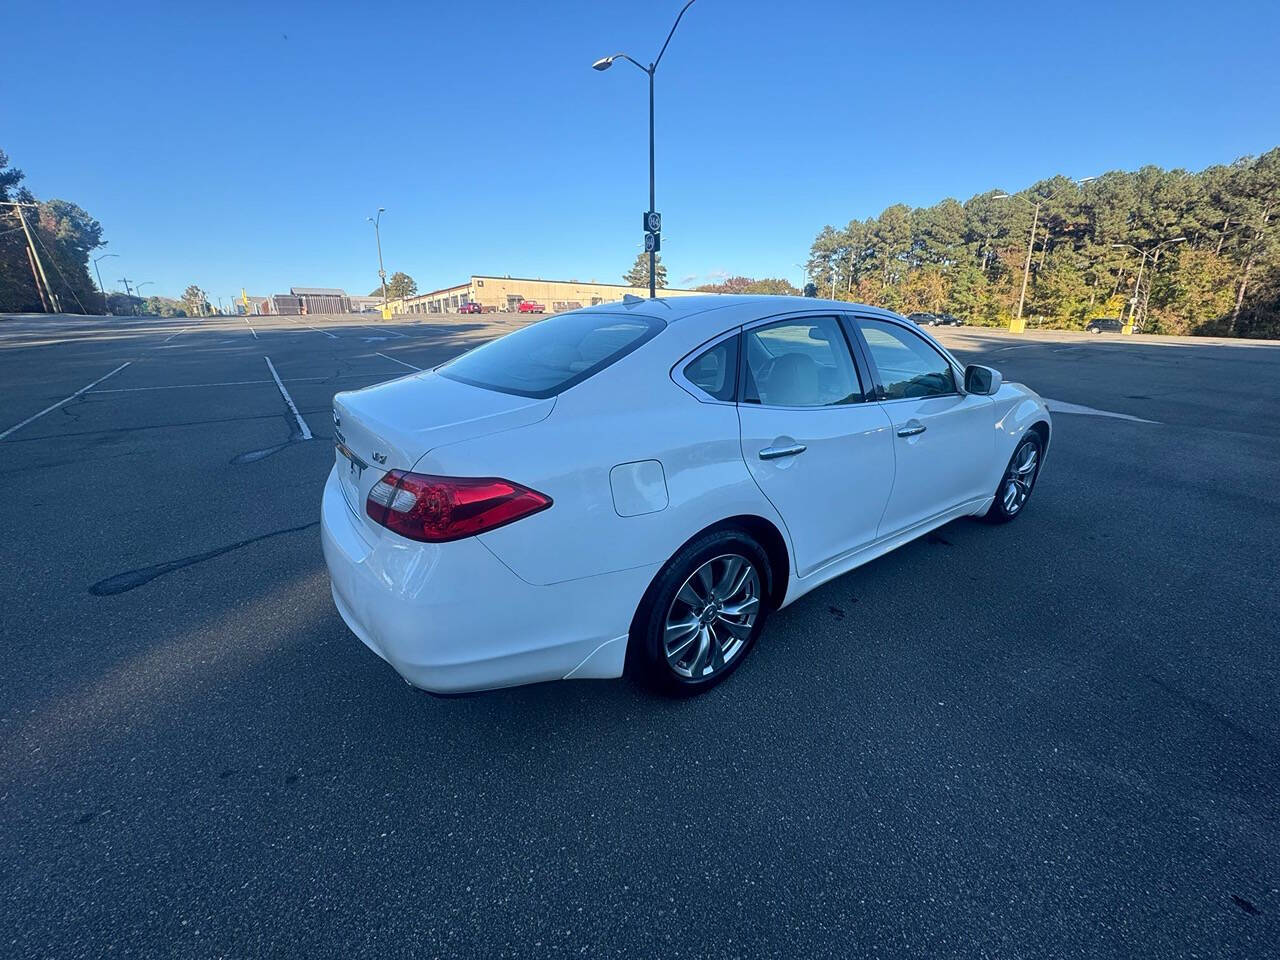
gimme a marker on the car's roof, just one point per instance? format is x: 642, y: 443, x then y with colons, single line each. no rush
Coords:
x: 677, y: 309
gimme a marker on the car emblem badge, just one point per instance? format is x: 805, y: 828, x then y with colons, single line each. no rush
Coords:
x: 380, y: 457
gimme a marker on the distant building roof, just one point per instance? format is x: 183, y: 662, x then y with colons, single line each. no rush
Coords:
x: 317, y: 292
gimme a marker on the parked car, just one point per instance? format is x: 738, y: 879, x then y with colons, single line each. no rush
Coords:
x: 639, y: 485
x: 531, y: 306
x: 935, y: 320
x: 470, y: 307
x: 1105, y: 324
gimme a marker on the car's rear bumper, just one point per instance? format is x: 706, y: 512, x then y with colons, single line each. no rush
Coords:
x: 452, y: 618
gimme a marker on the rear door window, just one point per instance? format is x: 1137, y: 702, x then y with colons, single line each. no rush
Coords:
x: 799, y: 363
x: 550, y: 356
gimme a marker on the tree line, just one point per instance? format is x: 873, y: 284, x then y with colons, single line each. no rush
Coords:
x: 1176, y: 252
x: 45, y: 247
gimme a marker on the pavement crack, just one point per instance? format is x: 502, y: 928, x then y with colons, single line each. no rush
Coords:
x: 131, y: 579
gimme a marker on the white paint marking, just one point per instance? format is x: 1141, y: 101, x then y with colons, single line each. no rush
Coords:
x: 392, y: 332
x: 19, y: 426
x: 401, y: 362
x: 172, y: 335
x: 251, y: 330
x: 1061, y: 406
x: 309, y: 327
x: 232, y: 383
x: 306, y: 431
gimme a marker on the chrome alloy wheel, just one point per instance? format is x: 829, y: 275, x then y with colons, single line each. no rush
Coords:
x: 711, y: 616
x: 1020, y: 478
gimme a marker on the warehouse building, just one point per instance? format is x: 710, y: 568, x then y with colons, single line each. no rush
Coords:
x: 322, y: 299
x: 505, y: 294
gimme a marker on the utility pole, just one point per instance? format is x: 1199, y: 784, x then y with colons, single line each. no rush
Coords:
x: 128, y: 291
x: 34, y: 254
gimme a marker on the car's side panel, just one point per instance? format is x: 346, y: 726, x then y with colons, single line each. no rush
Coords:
x: 634, y: 414
x: 946, y: 464
x: 832, y: 494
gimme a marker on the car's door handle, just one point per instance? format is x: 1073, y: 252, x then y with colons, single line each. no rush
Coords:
x: 911, y: 428
x: 773, y: 453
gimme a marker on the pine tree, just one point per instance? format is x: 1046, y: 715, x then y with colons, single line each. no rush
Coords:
x: 638, y: 275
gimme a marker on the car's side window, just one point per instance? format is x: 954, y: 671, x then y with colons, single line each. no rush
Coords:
x: 798, y: 363
x: 715, y: 371
x: 907, y: 364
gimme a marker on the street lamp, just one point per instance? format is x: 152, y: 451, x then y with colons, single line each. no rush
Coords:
x: 137, y: 288
x: 100, y: 286
x: 1149, y: 252
x: 382, y: 274
x: 1035, y: 219
x: 604, y: 63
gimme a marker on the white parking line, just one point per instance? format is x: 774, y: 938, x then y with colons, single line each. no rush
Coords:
x: 392, y: 332
x: 309, y: 327
x: 306, y: 431
x: 172, y: 335
x: 251, y: 330
x: 1062, y: 406
x: 19, y: 426
x: 231, y: 383
x: 401, y: 362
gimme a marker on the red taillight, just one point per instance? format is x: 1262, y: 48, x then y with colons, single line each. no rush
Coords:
x: 436, y: 509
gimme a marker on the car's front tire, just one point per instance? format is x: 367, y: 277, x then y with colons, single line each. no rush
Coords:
x: 702, y: 614
x: 1019, y: 479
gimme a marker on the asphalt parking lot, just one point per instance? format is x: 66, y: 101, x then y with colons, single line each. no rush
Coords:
x: 1057, y: 738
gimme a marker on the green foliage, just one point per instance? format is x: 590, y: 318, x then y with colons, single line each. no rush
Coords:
x: 399, y: 285
x: 968, y: 259
x: 64, y: 236
x: 765, y: 285
x: 195, y: 301
x: 638, y: 275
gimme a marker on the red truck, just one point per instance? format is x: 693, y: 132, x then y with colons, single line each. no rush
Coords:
x: 531, y: 306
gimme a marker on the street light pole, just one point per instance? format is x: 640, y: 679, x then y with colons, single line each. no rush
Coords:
x: 1026, y: 267
x: 1137, y: 287
x: 382, y: 274
x: 1031, y: 241
x: 105, y: 305
x: 604, y: 63
x: 653, y: 253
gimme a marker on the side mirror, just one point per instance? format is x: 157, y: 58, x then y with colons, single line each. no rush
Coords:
x: 981, y: 380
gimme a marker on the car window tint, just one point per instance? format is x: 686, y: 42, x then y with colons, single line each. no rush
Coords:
x: 715, y: 371
x: 552, y: 355
x: 908, y: 365
x: 799, y: 363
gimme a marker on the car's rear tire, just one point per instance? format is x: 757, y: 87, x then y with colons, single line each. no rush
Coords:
x: 1018, y: 480
x: 701, y: 615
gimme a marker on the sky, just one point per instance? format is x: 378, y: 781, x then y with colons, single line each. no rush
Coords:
x: 244, y: 144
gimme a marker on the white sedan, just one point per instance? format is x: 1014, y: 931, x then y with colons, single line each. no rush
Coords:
x: 637, y: 485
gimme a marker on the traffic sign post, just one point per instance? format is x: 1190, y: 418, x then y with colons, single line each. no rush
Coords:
x: 652, y: 222
x: 652, y: 242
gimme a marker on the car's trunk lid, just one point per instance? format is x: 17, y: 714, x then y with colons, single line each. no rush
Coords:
x: 391, y: 425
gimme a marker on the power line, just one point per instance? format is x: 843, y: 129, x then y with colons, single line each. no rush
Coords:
x: 66, y: 283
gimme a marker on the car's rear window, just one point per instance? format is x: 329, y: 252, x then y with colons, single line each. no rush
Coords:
x: 552, y: 355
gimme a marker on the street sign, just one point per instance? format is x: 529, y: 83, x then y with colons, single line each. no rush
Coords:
x: 652, y: 242
x: 653, y: 222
